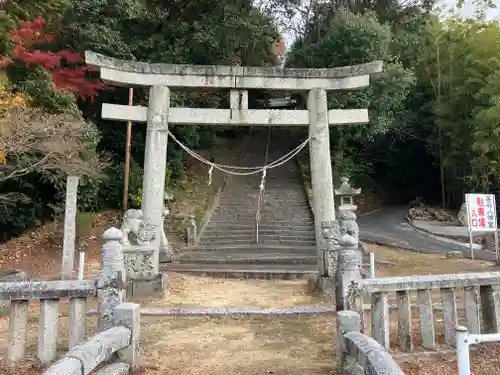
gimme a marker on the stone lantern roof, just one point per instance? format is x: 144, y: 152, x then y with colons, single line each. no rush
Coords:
x: 346, y: 193
x: 345, y: 189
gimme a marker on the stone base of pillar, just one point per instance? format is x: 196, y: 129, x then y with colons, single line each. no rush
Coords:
x: 317, y: 284
x: 167, y: 254
x: 147, y: 286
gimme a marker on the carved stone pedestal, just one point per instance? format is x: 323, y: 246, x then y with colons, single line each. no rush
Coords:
x: 349, y: 271
x: 143, y: 276
x: 325, y: 283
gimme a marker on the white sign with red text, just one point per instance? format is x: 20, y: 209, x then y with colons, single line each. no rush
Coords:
x: 481, y: 212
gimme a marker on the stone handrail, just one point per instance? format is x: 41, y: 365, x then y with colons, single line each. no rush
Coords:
x: 394, y: 284
x: 360, y: 354
x: 481, y: 296
x: 50, y: 294
x: 109, y: 289
x: 42, y: 290
x: 122, y: 339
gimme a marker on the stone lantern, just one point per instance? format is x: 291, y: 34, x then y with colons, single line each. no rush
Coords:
x: 346, y: 194
x: 352, y: 253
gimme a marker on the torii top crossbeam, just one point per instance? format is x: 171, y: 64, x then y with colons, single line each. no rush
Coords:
x: 131, y: 73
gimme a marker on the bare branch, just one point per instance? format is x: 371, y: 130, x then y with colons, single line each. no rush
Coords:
x: 35, y: 141
x: 290, y: 16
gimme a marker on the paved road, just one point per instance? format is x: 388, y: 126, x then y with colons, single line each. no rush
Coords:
x: 388, y: 226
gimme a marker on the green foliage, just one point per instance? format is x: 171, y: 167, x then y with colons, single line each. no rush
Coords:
x: 37, y: 83
x: 355, y: 39
x: 24, y: 10
x: 436, y: 103
x: 193, y: 32
x: 6, y: 24
x: 462, y: 71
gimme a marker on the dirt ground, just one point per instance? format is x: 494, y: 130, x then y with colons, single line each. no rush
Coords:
x: 270, y: 345
x: 193, y: 345
x: 408, y: 263
x: 247, y: 346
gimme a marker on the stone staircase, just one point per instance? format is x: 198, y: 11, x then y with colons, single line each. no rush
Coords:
x: 285, y: 245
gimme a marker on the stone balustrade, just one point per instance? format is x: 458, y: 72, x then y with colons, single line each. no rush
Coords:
x: 50, y: 294
x: 118, y: 322
x: 359, y: 354
x: 430, y: 295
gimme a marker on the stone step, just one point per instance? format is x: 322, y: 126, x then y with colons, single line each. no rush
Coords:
x: 264, y: 212
x: 243, y: 211
x: 269, y: 215
x: 254, y: 248
x: 299, y: 202
x: 264, y: 236
x: 251, y: 240
x: 247, y: 258
x: 281, y: 218
x: 249, y: 225
x: 241, y: 201
x: 285, y: 224
x: 242, y: 208
x: 229, y: 224
x: 265, y: 205
x: 297, y: 189
x: 247, y: 271
x: 213, y: 232
x: 255, y: 189
x: 235, y: 203
x: 279, y: 196
x: 299, y: 205
x: 273, y: 188
x: 274, y: 174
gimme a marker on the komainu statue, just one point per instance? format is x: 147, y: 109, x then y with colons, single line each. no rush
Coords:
x: 135, y: 232
x: 349, y: 229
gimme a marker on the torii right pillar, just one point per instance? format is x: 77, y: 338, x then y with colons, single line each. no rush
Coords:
x: 321, y: 171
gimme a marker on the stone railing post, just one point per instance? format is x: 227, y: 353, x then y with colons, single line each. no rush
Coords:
x: 129, y: 315
x: 112, y: 279
x: 347, y: 321
x: 350, y: 260
x: 192, y: 231
x: 71, y: 203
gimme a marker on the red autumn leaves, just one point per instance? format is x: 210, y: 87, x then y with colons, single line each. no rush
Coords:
x: 64, y: 66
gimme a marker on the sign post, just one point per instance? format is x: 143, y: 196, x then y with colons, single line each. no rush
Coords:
x: 482, y: 217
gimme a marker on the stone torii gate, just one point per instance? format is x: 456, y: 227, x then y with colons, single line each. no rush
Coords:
x: 238, y: 79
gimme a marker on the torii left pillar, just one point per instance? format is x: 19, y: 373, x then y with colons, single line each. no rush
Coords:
x: 153, y: 189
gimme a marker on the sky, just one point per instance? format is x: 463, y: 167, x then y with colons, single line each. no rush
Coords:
x: 468, y: 9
